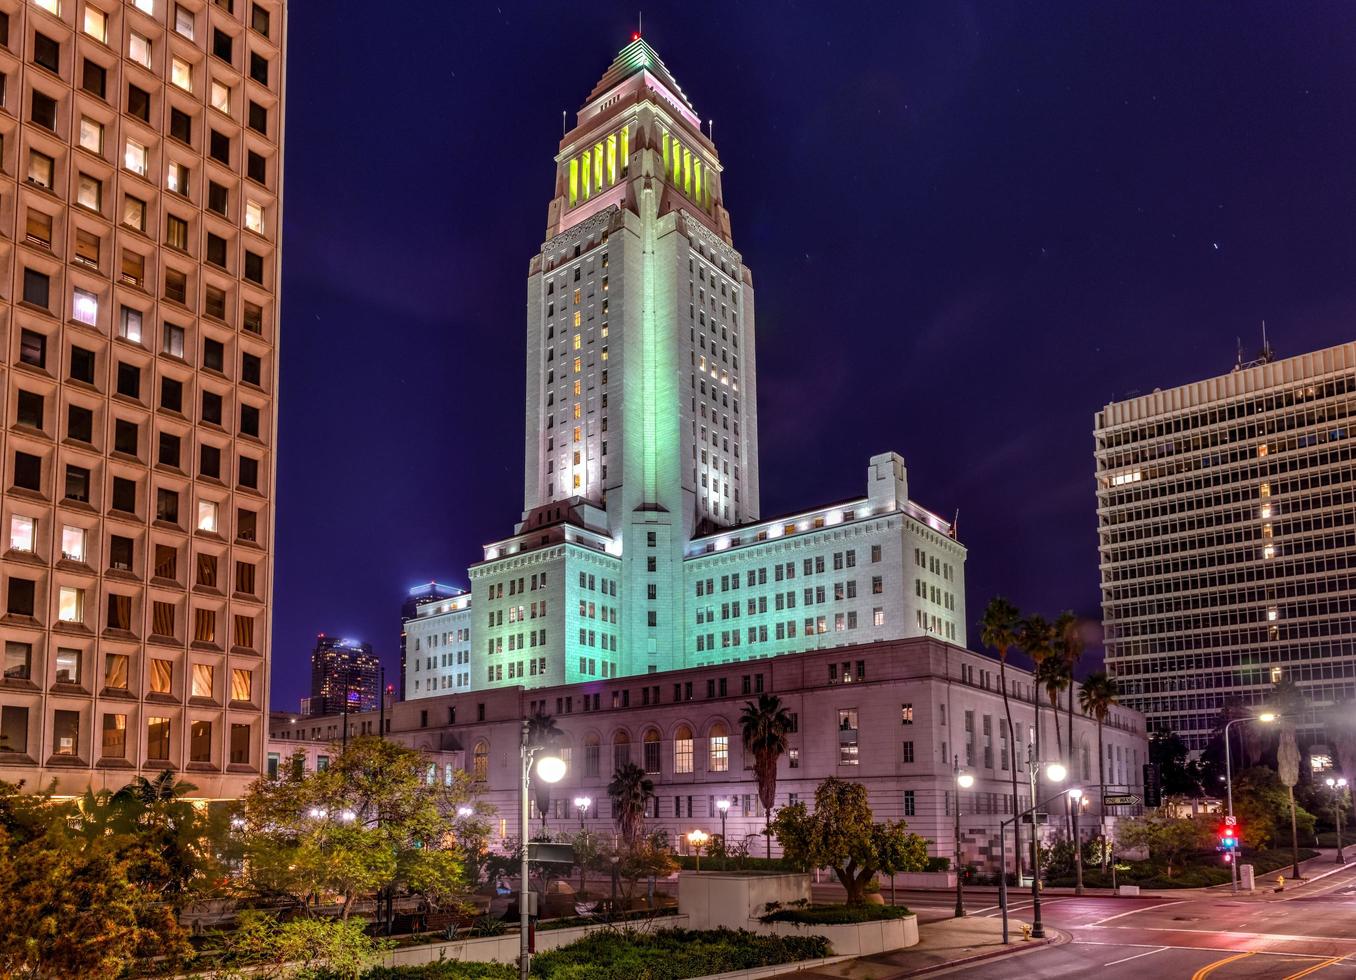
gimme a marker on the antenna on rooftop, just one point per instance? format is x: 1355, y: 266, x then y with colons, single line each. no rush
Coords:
x: 1267, y: 354
x: 640, y: 22
x: 562, y: 122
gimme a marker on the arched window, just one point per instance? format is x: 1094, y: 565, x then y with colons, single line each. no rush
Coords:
x: 682, y: 750
x: 621, y: 750
x: 591, y: 750
x: 651, y: 740
x: 719, y: 739
x: 480, y: 762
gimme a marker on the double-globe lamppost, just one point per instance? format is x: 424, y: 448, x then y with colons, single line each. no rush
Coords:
x: 1266, y: 718
x: 1339, y: 791
x: 964, y: 780
x: 1055, y: 773
x: 582, y: 804
x: 550, y: 768
x: 697, y: 839
x: 724, y: 807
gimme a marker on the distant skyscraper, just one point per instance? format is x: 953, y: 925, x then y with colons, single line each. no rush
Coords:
x: 339, y: 669
x: 142, y: 196
x: 1227, y: 522
x: 420, y: 595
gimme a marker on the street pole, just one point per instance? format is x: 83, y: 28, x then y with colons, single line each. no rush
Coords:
x: 1229, y: 789
x: 381, y: 715
x: 961, y: 781
x: 1003, y: 877
x: 1037, y: 930
x: 524, y: 956
x: 1339, y: 790
x: 1077, y: 804
x: 724, y: 841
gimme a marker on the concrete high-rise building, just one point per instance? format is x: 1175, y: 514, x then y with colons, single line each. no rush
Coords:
x: 416, y: 598
x: 142, y: 193
x: 1227, y: 526
x: 642, y: 547
x: 343, y: 669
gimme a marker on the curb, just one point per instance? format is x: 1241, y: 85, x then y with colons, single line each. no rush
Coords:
x: 1056, y: 938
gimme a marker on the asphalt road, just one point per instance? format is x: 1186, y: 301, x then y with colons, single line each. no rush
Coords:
x: 1309, y: 932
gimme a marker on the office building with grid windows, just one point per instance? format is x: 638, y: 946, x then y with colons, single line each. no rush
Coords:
x: 141, y: 180
x: 1227, y: 526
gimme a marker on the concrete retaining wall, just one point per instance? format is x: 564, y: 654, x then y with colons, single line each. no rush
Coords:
x: 504, y: 949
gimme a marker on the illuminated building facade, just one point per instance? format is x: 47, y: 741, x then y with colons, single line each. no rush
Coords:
x: 417, y: 598
x: 142, y: 196
x: 438, y: 640
x: 642, y: 547
x: 1227, y: 524
x: 343, y: 669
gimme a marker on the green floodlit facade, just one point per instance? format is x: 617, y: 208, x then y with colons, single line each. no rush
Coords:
x: 642, y: 547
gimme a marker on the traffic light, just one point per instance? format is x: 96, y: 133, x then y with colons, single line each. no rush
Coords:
x: 1228, y: 841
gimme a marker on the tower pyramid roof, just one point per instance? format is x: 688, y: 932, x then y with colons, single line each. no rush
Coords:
x: 636, y: 57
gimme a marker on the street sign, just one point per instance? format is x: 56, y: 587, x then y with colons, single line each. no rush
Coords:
x: 1231, y: 821
x: 550, y: 853
x: 1041, y: 818
x: 1121, y: 799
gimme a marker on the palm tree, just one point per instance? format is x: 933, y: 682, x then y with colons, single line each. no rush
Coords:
x: 765, y: 725
x: 542, y: 731
x: 630, y: 791
x: 1053, y: 675
x: 1069, y: 644
x: 999, y: 632
x: 1034, y: 639
x: 162, y: 789
x: 1098, y: 694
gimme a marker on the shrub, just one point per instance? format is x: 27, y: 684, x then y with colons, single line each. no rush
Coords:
x: 672, y: 954
x: 835, y: 915
x: 446, y: 970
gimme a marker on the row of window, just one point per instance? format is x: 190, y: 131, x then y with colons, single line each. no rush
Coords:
x: 21, y: 605
x: 67, y: 739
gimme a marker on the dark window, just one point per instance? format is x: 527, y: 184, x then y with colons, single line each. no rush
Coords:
x: 167, y: 506
x: 246, y: 524
x: 4, y: 29
x: 46, y: 52
x: 258, y: 118
x: 214, y: 302
x: 120, y: 552
x: 82, y: 365
x: 259, y: 19
x: 181, y: 126
x: 129, y: 380
x: 249, y: 420
x: 216, y: 250
x: 21, y: 592
x: 211, y: 407
x: 258, y: 68
x: 209, y: 462
x: 139, y: 103
x: 79, y: 424
x: 28, y: 472
x: 94, y: 78
x: 36, y: 287
x: 77, y: 483
x: 213, y: 356
x: 30, y: 408
x: 171, y: 395
x: 254, y: 318
x: 176, y: 285
x: 33, y: 346
x: 169, y: 450
x: 216, y: 197
x: 43, y: 110
x: 125, y: 437
x: 255, y: 167
x: 166, y: 565
x: 221, y: 44
x: 244, y: 577
x: 176, y: 232
x: 254, y: 267
x: 251, y: 369
x: 120, y: 618
x: 124, y: 495
x: 220, y: 148
x: 249, y: 472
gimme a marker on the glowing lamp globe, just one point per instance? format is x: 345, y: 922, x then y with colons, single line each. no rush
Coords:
x: 965, y: 780
x: 1056, y: 772
x: 551, y: 769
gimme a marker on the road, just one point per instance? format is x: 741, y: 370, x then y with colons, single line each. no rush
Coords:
x: 1309, y: 932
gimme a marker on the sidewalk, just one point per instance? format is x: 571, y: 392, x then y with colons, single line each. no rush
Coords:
x: 941, y: 945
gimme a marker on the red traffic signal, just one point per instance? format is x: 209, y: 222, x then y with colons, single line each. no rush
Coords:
x: 1228, y: 837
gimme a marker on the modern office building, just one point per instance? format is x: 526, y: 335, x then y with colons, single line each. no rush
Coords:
x: 417, y: 597
x: 896, y: 716
x: 642, y: 547
x: 343, y: 670
x: 1227, y: 526
x: 142, y: 191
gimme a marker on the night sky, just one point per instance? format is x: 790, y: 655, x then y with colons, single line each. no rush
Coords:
x: 970, y: 226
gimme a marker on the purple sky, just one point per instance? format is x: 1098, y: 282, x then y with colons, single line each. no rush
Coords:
x: 970, y: 226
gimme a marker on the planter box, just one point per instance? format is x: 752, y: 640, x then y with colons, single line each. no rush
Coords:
x: 854, y: 939
x: 710, y: 901
x: 918, y: 879
x: 504, y: 949
x: 1127, y: 889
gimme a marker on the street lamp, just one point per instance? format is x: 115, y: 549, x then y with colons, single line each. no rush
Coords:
x: 347, y: 816
x: 1339, y: 789
x: 964, y: 780
x: 698, y: 839
x: 1055, y: 773
x: 550, y: 769
x: 724, y: 807
x: 1076, y: 801
x: 1266, y: 718
x: 464, y: 811
x: 582, y: 804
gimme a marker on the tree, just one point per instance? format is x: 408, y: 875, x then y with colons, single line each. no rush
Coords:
x: 1289, y: 703
x: 1341, y: 726
x: 1168, y: 839
x: 542, y: 732
x: 1069, y: 647
x: 1095, y: 697
x: 1034, y: 639
x: 1052, y: 674
x: 766, y: 725
x: 299, y: 948
x: 842, y: 835
x: 1179, y: 777
x: 630, y: 791
x: 998, y: 631
x: 1262, y: 805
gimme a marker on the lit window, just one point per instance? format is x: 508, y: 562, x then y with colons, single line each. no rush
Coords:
x: 202, y: 680
x: 130, y: 326
x: 139, y: 49
x: 73, y: 543
x: 21, y: 533
x: 162, y: 676
x: 183, y: 21
x: 51, y: 6
x: 577, y: 365
x: 1269, y: 552
x: 1272, y: 614
x: 176, y: 178
x: 91, y: 135
x: 135, y: 158
x: 71, y: 604
x: 682, y: 750
x: 221, y: 97
x: 576, y: 319
x: 254, y: 217
x: 96, y: 23
x: 181, y: 74
x: 134, y: 213
x: 207, y: 515
x: 89, y: 193
x: 577, y: 341
x: 85, y: 307
x: 147, y: 5
x: 720, y: 749
x: 67, y: 666
x: 242, y: 684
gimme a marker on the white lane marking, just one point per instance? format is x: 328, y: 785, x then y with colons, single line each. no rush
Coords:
x: 1127, y: 959
x: 1282, y: 936
x: 1118, y: 915
x: 1204, y: 949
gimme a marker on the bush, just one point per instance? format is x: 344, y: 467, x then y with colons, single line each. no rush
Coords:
x: 835, y: 915
x: 446, y: 970
x: 672, y: 954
